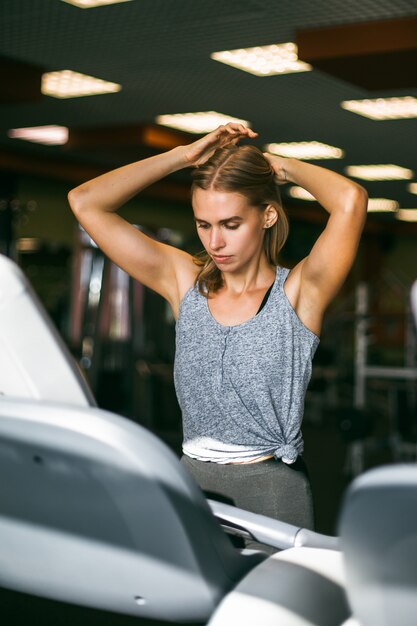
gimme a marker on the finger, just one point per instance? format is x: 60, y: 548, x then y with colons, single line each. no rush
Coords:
x: 220, y: 130
x: 245, y: 131
x: 235, y: 127
x: 232, y: 129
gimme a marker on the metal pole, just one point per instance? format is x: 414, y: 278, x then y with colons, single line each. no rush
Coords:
x: 361, y: 344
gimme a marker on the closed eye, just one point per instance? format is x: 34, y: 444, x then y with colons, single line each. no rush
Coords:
x: 228, y: 226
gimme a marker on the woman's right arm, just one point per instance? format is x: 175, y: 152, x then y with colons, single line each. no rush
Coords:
x: 95, y: 203
x: 163, y: 268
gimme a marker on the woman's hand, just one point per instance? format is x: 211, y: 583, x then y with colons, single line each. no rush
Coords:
x: 201, y: 150
x: 278, y: 164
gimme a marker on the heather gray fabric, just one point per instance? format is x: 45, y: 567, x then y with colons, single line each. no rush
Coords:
x: 241, y: 388
x: 270, y: 488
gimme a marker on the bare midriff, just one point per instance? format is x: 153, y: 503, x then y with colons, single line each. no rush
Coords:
x: 257, y: 460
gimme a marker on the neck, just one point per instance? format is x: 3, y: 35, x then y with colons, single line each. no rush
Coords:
x: 258, y: 274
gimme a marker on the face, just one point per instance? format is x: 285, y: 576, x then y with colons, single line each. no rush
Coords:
x: 230, y: 229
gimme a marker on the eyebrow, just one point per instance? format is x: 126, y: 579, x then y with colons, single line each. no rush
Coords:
x: 235, y: 218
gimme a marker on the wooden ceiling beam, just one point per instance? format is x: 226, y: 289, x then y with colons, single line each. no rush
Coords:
x: 19, y: 82
x: 76, y: 173
x: 55, y: 170
x: 133, y: 135
x: 372, y: 55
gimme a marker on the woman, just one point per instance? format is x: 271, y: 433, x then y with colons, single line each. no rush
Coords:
x: 246, y: 329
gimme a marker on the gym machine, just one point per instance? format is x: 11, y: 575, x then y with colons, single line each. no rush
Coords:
x: 390, y: 380
x: 123, y: 336
x: 97, y: 513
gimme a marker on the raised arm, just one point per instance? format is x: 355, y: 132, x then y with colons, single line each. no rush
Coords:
x: 315, y: 281
x: 161, y: 267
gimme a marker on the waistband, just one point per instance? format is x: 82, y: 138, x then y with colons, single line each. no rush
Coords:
x: 240, y: 468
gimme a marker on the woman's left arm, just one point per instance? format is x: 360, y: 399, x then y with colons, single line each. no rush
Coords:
x: 321, y: 274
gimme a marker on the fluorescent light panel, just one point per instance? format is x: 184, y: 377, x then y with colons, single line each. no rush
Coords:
x: 412, y: 188
x: 382, y: 205
x: 202, y: 122
x: 383, y: 108
x: 300, y: 193
x: 48, y: 135
x: 89, y: 4
x: 305, y: 150
x: 28, y: 244
x: 379, y: 172
x: 69, y: 84
x: 264, y: 60
x: 407, y: 215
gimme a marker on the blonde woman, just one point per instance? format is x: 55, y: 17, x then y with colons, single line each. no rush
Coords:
x: 247, y: 328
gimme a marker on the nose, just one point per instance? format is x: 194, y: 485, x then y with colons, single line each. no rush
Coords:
x: 216, y: 239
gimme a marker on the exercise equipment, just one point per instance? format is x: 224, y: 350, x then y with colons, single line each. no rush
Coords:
x: 363, y: 369
x: 413, y: 301
x: 27, y: 336
x: 378, y: 529
x: 387, y: 379
x: 100, y: 512
x: 96, y: 511
x: 124, y: 336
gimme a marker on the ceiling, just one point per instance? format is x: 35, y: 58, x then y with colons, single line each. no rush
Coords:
x: 159, y: 51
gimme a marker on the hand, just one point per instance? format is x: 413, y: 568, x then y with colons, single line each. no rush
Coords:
x: 201, y: 150
x: 278, y: 164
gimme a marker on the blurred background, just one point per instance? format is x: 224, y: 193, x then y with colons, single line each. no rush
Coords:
x: 87, y: 86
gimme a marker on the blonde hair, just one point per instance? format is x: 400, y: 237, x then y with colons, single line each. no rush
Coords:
x: 245, y: 170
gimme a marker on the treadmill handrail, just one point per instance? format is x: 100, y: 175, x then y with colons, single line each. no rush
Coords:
x: 269, y: 531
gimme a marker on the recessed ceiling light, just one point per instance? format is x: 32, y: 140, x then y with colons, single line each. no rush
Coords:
x: 300, y: 193
x: 264, y: 60
x: 69, y: 84
x: 407, y: 215
x: 379, y: 172
x: 382, y: 205
x: 28, y: 244
x: 305, y: 150
x: 203, y: 122
x: 412, y: 187
x: 383, y: 108
x: 89, y: 4
x: 48, y: 135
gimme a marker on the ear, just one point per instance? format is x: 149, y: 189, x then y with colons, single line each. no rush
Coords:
x: 270, y: 216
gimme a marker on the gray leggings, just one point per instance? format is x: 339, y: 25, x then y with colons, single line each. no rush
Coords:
x: 269, y: 487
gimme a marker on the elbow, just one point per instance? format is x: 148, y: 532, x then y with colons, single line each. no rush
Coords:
x: 357, y: 201
x: 76, y: 200
x: 362, y: 197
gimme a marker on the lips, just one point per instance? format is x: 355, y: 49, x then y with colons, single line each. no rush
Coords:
x: 221, y: 259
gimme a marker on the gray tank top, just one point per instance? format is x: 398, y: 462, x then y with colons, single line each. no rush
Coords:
x: 241, y: 388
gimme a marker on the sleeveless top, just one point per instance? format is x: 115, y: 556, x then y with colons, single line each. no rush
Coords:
x: 241, y: 388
